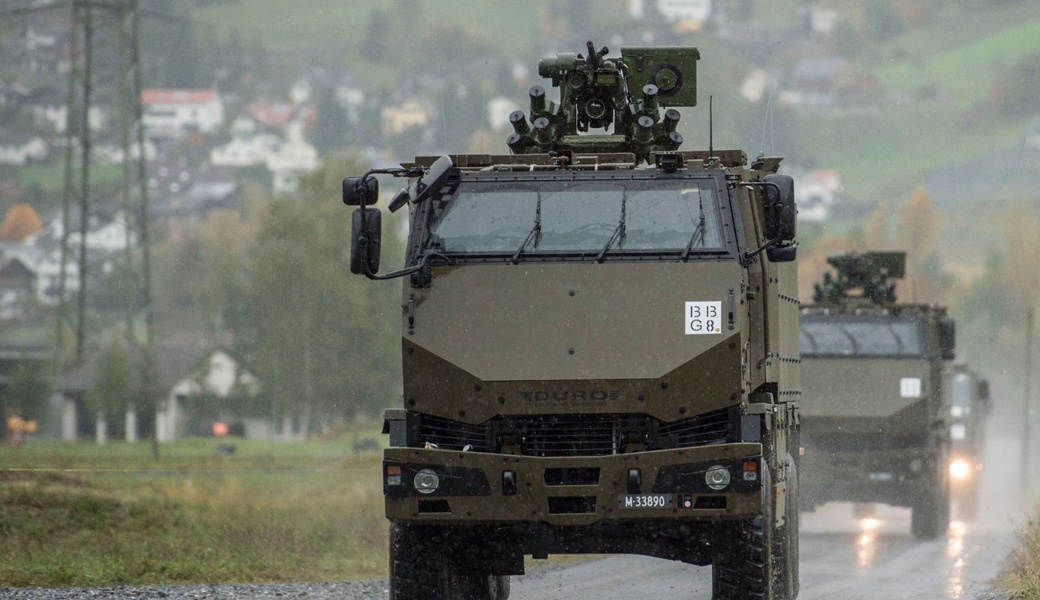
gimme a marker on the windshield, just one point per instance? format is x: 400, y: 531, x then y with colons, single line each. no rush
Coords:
x: 861, y: 336
x: 577, y: 217
x: 960, y: 393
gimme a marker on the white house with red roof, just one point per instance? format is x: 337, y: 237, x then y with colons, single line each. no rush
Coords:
x: 174, y: 113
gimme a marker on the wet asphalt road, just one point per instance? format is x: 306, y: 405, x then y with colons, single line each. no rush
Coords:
x: 842, y: 556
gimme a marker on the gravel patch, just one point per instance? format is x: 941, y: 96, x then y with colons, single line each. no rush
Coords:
x: 348, y: 590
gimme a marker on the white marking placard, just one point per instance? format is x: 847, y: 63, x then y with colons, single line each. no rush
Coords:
x: 704, y: 318
x: 910, y: 387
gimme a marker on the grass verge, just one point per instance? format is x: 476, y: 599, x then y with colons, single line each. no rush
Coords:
x: 271, y: 513
x: 1021, y: 575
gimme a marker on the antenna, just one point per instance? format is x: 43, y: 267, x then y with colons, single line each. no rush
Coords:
x: 711, y: 125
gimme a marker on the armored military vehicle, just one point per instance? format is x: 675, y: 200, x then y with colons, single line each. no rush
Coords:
x: 599, y: 344
x: 875, y: 423
x: 969, y: 402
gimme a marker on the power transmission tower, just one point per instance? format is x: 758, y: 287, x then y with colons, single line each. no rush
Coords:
x: 105, y: 71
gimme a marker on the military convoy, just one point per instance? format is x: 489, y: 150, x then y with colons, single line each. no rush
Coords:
x: 875, y: 417
x: 599, y: 344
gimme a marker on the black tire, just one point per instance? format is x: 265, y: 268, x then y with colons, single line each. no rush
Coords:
x: 792, y: 528
x: 420, y: 569
x: 749, y: 557
x: 930, y: 517
x: 415, y: 564
x: 461, y: 583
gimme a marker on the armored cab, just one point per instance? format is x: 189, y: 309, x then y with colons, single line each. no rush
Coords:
x: 875, y: 418
x: 599, y: 344
x: 969, y: 401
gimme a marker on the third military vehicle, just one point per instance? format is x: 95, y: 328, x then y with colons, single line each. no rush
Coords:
x: 969, y: 402
x: 875, y: 423
x: 599, y: 344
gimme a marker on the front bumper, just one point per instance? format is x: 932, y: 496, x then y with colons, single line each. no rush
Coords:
x: 897, y: 477
x: 477, y: 487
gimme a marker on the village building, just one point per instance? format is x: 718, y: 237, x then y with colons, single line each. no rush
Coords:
x: 174, y: 113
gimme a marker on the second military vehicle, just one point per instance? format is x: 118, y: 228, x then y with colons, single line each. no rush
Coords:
x: 875, y: 423
x: 969, y: 402
x: 599, y: 343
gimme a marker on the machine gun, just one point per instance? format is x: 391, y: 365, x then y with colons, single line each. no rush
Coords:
x: 594, y: 94
x: 868, y: 272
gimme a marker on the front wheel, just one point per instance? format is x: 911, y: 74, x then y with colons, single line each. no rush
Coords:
x: 422, y: 569
x: 930, y: 516
x: 751, y: 557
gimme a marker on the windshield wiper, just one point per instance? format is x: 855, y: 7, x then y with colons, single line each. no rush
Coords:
x: 536, y: 232
x: 698, y: 232
x: 619, y: 232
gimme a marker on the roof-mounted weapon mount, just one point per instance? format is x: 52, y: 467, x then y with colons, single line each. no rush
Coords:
x: 594, y: 94
x: 868, y: 273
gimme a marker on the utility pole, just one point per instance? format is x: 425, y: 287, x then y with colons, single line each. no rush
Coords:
x: 105, y: 71
x: 1025, y: 473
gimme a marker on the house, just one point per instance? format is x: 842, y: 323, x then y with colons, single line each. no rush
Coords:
x: 17, y: 288
x: 199, y: 388
x: 821, y: 83
x: 49, y: 109
x: 175, y: 113
x: 244, y: 150
x: 397, y: 119
x: 190, y: 192
x: 23, y: 151
x: 818, y: 192
x: 222, y: 389
x: 684, y: 11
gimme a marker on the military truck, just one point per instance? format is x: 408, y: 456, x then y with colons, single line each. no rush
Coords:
x: 969, y: 402
x: 875, y: 421
x: 599, y: 343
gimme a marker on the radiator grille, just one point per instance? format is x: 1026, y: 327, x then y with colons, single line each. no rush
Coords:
x: 573, y: 435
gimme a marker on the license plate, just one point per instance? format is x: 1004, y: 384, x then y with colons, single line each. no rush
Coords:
x: 645, y: 501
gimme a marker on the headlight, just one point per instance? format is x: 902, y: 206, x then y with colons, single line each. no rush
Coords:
x: 959, y: 469
x: 426, y: 481
x: 717, y: 477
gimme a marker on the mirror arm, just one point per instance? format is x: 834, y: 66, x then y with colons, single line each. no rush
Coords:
x: 401, y: 272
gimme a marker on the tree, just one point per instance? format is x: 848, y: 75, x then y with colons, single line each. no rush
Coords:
x: 376, y: 41
x: 916, y: 224
x: 29, y: 389
x: 20, y: 222
x: 325, y: 341
x: 332, y: 129
x: 110, y: 393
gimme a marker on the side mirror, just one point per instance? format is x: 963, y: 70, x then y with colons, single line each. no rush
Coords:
x: 358, y: 190
x: 780, y: 209
x: 365, y: 235
x: 984, y: 389
x: 779, y: 254
x: 948, y: 338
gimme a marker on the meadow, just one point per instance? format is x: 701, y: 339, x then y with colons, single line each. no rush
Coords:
x: 88, y: 515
